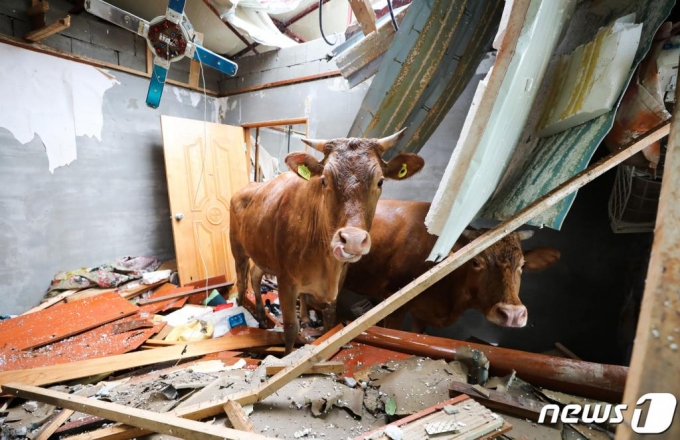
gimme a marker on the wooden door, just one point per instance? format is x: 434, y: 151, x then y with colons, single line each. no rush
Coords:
x: 202, y: 176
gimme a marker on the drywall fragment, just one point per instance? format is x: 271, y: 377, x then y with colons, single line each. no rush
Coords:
x: 53, y: 98
x: 588, y: 81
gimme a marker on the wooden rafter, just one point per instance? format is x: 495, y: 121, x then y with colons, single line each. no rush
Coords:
x: 365, y: 15
x: 51, y: 29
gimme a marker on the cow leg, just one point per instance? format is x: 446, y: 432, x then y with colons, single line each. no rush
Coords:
x: 256, y: 275
x: 241, y: 261
x: 288, y: 301
x: 395, y: 320
x: 329, y: 316
x: 417, y: 325
x: 304, y: 311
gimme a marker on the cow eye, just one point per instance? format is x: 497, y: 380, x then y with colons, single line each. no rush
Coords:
x: 323, y: 181
x: 380, y: 182
x: 475, y: 263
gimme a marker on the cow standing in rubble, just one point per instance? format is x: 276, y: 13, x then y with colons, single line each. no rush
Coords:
x: 489, y: 282
x: 305, y: 226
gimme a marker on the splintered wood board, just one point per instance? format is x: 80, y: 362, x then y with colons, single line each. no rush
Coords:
x: 90, y: 367
x: 472, y: 421
x: 96, y: 343
x: 63, y: 320
x: 166, y: 289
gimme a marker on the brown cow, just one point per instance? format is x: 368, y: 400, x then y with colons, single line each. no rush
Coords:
x: 489, y: 282
x: 305, y: 226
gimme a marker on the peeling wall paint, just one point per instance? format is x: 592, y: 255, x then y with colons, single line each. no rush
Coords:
x: 61, y: 100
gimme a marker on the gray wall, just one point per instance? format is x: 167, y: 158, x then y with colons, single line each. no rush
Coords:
x: 110, y: 202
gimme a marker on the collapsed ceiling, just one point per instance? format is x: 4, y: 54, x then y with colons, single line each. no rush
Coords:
x: 246, y: 27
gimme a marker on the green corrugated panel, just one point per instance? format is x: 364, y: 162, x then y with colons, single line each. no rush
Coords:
x: 432, y: 58
x: 560, y: 157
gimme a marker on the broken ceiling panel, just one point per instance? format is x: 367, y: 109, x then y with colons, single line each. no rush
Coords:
x: 360, y: 56
x: 255, y: 23
x: 540, y: 165
x: 493, y: 126
x: 432, y: 58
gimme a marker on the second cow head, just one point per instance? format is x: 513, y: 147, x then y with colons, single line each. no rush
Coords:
x: 347, y: 183
x: 494, y: 276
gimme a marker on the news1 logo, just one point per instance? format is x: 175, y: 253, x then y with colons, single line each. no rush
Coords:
x: 659, y: 416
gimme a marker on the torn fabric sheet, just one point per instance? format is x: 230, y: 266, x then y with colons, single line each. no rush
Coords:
x: 74, y: 91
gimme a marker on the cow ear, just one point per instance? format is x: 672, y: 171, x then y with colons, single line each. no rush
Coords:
x: 304, y: 164
x: 403, y: 166
x: 540, y: 258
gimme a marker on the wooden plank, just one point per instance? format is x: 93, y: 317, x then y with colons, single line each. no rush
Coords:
x: 276, y: 122
x: 599, y: 381
x: 249, y: 146
x: 74, y: 370
x: 153, y: 421
x: 518, y: 406
x: 320, y: 368
x: 52, y: 425
x: 202, y: 174
x: 51, y: 29
x: 419, y: 415
x: 180, y: 292
x: 281, y: 83
x: 61, y: 321
x: 133, y: 292
x: 106, y: 340
x: 655, y: 361
x: 165, y: 297
x: 378, y: 313
x: 195, y: 67
x: 238, y: 418
x: 365, y: 15
x: 52, y: 301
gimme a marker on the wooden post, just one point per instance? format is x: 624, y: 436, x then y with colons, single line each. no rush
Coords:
x: 195, y: 67
x: 249, y: 146
x: 53, y: 424
x: 655, y: 364
x: 324, y: 350
x: 257, y: 154
x: 365, y: 15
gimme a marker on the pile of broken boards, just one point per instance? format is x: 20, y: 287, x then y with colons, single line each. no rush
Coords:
x: 106, y: 353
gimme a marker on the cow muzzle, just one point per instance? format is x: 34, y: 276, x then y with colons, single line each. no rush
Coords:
x: 507, y: 315
x: 350, y: 244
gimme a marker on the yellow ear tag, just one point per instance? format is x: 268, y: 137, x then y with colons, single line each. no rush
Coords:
x: 304, y: 172
x: 402, y: 171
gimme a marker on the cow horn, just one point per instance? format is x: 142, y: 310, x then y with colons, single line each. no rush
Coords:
x: 390, y: 141
x: 317, y: 144
x: 523, y: 235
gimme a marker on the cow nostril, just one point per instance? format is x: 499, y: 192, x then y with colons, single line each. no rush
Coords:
x: 343, y: 240
x: 504, y: 315
x: 365, y: 240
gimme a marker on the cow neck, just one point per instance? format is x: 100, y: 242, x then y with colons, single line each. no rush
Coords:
x: 460, y: 297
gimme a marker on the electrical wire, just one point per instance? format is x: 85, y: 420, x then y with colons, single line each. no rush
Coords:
x: 394, y: 20
x: 321, y: 26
